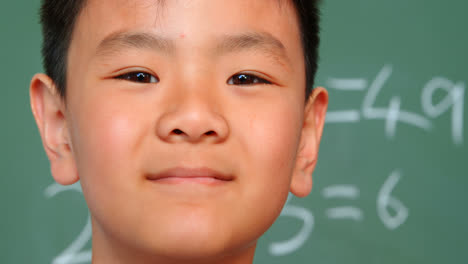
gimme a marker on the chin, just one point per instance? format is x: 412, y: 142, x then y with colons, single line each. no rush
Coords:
x: 198, y: 237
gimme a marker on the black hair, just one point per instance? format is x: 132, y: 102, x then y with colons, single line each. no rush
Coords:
x: 58, y: 19
x: 309, y: 24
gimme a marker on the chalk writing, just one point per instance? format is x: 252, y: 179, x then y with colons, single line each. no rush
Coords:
x: 293, y: 244
x: 343, y: 192
x: 385, y: 200
x: 393, y: 113
x: 454, y: 99
x: 74, y: 253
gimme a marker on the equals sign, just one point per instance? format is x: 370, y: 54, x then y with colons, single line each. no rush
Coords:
x: 343, y: 192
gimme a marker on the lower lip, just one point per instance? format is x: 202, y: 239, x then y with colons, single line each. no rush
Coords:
x: 190, y: 180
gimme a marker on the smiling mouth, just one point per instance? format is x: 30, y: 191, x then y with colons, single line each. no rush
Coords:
x: 180, y: 175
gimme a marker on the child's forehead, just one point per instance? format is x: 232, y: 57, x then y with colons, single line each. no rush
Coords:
x: 268, y: 24
x: 161, y: 11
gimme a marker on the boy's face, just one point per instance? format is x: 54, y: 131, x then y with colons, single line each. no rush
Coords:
x: 122, y: 128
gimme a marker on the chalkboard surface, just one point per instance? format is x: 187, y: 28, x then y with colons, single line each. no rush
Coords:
x: 390, y: 186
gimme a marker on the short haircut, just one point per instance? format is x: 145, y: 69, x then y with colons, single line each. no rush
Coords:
x: 58, y: 19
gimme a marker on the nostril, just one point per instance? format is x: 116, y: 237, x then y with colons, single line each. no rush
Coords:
x: 177, y: 131
x: 209, y: 133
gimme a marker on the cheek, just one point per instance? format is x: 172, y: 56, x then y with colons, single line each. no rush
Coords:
x: 267, y: 137
x: 107, y: 136
x: 270, y: 139
x: 273, y: 138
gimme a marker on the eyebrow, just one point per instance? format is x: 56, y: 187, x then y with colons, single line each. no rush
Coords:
x: 140, y: 40
x: 262, y: 41
x: 256, y: 41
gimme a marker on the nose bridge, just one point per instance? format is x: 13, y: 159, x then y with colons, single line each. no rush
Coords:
x: 194, y: 114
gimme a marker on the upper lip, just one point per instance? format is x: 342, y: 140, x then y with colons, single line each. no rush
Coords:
x: 184, y: 172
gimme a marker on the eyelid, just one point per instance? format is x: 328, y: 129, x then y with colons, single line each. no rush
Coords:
x: 268, y: 80
x: 131, y: 70
x: 256, y: 74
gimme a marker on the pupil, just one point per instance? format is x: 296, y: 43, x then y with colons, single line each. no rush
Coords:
x: 243, y: 78
x: 141, y: 76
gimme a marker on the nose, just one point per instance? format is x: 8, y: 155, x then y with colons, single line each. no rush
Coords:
x: 192, y: 120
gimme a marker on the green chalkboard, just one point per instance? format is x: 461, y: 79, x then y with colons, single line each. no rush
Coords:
x: 390, y: 186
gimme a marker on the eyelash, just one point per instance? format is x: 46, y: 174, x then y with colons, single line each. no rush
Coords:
x: 237, y: 79
x: 138, y: 77
x: 246, y: 77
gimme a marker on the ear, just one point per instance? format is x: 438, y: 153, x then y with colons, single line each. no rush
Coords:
x: 314, y: 120
x: 49, y: 112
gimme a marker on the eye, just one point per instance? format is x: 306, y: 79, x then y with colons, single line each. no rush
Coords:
x: 246, y: 79
x: 138, y: 77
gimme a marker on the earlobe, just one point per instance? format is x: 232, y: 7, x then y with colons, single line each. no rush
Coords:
x: 314, y: 120
x: 48, y: 111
